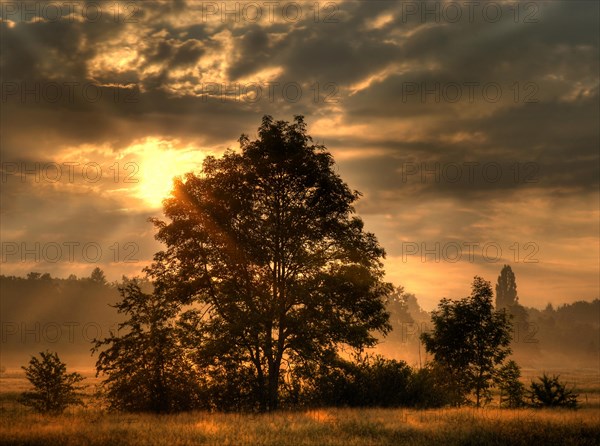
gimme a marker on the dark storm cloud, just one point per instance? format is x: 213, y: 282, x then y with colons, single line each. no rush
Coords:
x: 553, y: 62
x: 52, y: 49
x: 380, y: 131
x: 561, y: 157
x: 327, y: 51
x: 254, y: 50
x: 172, y: 53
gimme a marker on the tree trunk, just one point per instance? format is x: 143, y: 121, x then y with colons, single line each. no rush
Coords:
x: 273, y: 387
x: 262, y: 393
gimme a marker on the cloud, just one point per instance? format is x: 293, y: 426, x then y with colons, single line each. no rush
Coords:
x: 405, y: 98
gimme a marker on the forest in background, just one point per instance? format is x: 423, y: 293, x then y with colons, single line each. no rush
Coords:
x: 41, y: 312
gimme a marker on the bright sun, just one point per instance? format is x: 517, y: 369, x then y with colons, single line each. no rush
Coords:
x: 158, y: 162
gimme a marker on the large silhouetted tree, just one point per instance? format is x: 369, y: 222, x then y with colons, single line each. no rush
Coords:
x: 264, y: 242
x: 470, y: 340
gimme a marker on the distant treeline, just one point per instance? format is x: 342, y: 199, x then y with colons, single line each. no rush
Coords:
x: 43, y: 312
x: 541, y: 338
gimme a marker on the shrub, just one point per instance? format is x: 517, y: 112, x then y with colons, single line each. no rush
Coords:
x: 371, y: 381
x: 433, y: 386
x: 550, y: 392
x: 145, y: 364
x: 329, y: 383
x: 382, y: 382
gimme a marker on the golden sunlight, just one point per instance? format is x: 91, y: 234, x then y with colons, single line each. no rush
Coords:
x: 158, y: 162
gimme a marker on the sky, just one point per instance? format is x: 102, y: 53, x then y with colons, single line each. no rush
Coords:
x: 471, y: 128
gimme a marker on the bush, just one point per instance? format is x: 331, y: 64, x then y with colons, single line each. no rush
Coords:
x: 382, y: 382
x: 433, y: 386
x: 550, y: 392
x: 229, y: 387
x: 54, y: 388
x: 330, y: 383
x: 372, y: 381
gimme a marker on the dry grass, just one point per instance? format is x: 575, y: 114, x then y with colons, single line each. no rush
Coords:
x: 323, y: 427
x: 346, y: 427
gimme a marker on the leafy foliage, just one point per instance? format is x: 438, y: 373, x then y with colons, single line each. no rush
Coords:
x: 369, y: 381
x: 54, y: 388
x: 430, y: 386
x: 469, y: 341
x: 264, y: 244
x: 550, y: 392
x: 146, y: 367
x: 512, y: 390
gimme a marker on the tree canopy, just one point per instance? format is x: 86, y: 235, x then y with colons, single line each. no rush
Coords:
x: 53, y: 388
x: 470, y: 340
x: 265, y: 247
x: 144, y: 363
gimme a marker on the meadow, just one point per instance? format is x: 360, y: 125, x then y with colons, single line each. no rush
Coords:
x: 330, y: 426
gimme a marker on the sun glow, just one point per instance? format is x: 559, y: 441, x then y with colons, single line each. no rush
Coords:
x: 157, y: 163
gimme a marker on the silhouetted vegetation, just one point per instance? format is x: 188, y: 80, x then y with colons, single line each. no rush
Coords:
x: 365, y: 381
x: 548, y: 391
x: 266, y: 246
x: 571, y: 329
x: 506, y: 288
x: 75, y: 310
x: 470, y: 341
x: 146, y: 366
x: 268, y: 294
x: 98, y: 276
x: 512, y: 390
x: 53, y: 388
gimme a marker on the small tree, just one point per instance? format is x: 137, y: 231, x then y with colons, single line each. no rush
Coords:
x: 54, y: 388
x: 98, y: 276
x: 470, y: 340
x: 146, y: 367
x: 550, y: 392
x: 512, y: 391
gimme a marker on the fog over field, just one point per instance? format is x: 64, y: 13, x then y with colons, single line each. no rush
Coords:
x: 67, y: 314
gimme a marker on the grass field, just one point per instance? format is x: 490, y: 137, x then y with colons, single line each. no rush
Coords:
x: 464, y: 426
